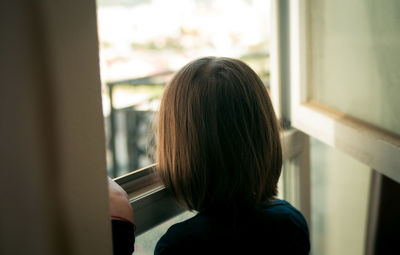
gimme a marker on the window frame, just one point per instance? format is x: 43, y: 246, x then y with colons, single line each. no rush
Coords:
x: 375, y: 147
x: 296, y: 180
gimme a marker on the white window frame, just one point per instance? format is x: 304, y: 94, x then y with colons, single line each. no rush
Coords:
x: 376, y: 148
x: 296, y: 179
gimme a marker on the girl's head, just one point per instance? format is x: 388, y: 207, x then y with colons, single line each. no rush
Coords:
x: 218, y: 142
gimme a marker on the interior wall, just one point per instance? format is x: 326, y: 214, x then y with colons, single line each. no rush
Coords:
x: 53, y: 185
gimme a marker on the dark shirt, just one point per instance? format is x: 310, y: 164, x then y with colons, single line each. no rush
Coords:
x: 276, y: 228
x: 123, y: 234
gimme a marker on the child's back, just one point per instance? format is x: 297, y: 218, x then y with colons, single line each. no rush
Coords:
x: 276, y: 228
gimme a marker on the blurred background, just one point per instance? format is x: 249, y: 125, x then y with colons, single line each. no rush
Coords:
x: 142, y: 43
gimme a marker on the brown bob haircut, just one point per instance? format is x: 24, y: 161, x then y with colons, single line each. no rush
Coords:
x: 218, y: 142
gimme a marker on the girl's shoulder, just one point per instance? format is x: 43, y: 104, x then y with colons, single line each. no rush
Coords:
x: 282, y: 213
x: 282, y: 208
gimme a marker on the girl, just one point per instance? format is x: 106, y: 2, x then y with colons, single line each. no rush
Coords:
x: 219, y: 153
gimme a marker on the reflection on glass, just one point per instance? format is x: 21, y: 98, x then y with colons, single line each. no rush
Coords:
x: 340, y: 195
x: 143, y: 42
x: 355, y: 59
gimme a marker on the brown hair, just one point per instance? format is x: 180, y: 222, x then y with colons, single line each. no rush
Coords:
x: 218, y: 142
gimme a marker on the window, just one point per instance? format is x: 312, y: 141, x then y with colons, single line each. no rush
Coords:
x: 340, y: 187
x: 314, y: 77
x: 142, y: 43
x: 341, y: 60
x: 354, y: 59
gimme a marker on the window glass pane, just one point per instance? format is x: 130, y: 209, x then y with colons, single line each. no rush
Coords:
x: 146, y: 242
x: 143, y: 42
x: 291, y: 182
x: 355, y: 59
x: 340, y: 195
